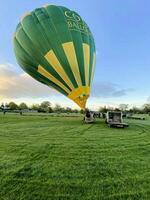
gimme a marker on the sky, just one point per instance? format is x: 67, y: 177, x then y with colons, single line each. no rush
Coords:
x: 121, y: 30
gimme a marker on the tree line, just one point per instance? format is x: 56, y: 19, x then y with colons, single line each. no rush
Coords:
x: 145, y: 109
x: 46, y: 107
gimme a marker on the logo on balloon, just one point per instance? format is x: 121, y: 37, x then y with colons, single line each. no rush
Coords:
x: 75, y: 22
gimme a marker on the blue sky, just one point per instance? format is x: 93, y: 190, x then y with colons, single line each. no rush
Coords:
x: 122, y: 35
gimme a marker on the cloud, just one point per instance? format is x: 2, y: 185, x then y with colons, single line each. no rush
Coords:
x: 14, y: 84
x: 108, y: 89
x: 17, y: 84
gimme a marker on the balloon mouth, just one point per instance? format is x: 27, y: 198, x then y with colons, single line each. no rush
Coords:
x: 80, y: 96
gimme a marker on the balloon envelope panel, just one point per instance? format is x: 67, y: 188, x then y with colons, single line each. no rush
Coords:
x: 56, y: 47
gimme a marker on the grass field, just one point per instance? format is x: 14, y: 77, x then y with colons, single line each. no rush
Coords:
x: 54, y: 158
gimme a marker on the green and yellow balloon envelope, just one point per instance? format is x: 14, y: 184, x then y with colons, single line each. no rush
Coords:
x: 55, y: 46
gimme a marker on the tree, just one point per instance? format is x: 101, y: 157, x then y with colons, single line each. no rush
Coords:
x: 50, y: 110
x: 76, y: 111
x: 103, y: 109
x: 135, y: 110
x: 69, y: 110
x: 57, y: 108
x: 117, y: 109
x: 45, y: 106
x: 35, y: 107
x: 23, y: 106
x: 13, y: 106
x: 82, y: 111
x: 123, y: 107
x: 146, y: 108
x: 2, y: 106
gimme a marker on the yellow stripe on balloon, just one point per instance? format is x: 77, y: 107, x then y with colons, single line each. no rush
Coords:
x: 83, y: 90
x: 54, y: 62
x: 80, y: 95
x: 93, y: 68
x: 46, y: 74
x: 86, y: 53
x: 72, y: 59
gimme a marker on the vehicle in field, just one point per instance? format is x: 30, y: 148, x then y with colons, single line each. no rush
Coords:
x: 115, y: 119
x: 89, y: 117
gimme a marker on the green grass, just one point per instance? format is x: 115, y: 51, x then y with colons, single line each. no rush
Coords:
x: 54, y: 158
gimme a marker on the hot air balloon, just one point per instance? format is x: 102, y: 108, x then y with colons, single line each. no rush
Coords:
x: 56, y: 47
